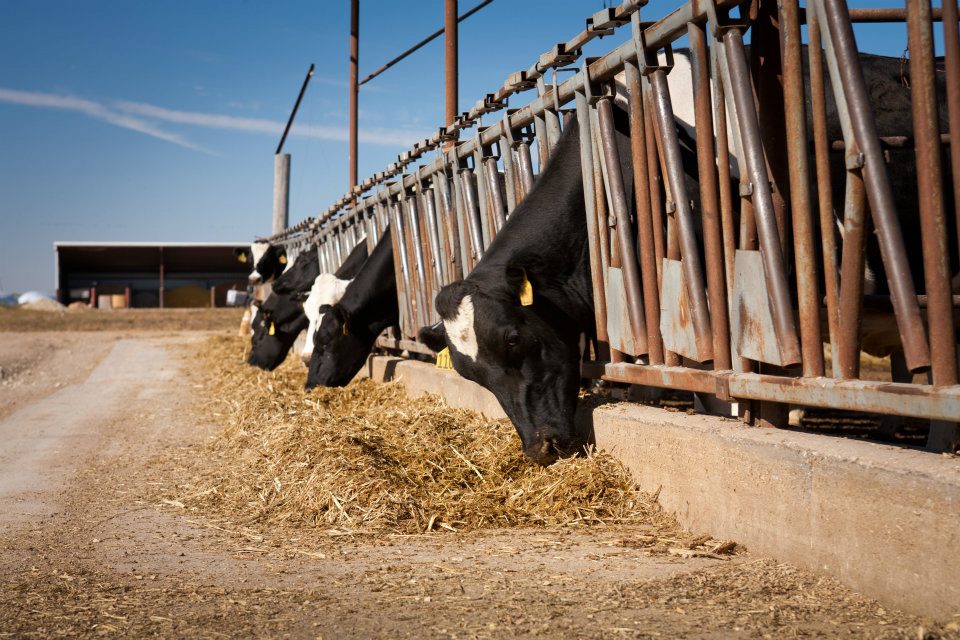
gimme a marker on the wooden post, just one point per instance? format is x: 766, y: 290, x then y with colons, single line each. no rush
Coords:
x: 281, y: 192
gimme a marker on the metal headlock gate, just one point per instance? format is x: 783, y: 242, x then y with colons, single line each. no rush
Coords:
x: 717, y: 303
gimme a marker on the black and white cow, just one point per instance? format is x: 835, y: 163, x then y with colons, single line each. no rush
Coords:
x: 327, y: 289
x: 267, y: 261
x: 348, y: 329
x: 280, y: 318
x: 528, y: 356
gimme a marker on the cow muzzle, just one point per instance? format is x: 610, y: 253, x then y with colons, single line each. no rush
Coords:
x: 546, y: 450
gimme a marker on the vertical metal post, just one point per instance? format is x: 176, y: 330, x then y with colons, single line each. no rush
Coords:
x: 902, y: 292
x: 824, y: 193
x: 709, y: 198
x: 354, y: 87
x: 281, y: 192
x: 451, y: 49
x: 799, y: 176
x: 641, y: 188
x: 933, y: 226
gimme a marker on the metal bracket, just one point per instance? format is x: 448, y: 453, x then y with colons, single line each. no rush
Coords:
x: 854, y: 161
x: 746, y: 189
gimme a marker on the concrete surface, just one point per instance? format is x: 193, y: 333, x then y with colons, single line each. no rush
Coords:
x: 884, y: 520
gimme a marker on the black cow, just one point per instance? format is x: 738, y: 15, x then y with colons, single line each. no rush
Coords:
x: 268, y: 261
x: 349, y: 328
x: 528, y: 356
x: 280, y: 319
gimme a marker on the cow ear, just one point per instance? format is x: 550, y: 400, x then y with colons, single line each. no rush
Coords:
x: 520, y: 284
x: 434, y: 336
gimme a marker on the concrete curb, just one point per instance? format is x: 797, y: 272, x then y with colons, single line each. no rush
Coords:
x: 883, y: 520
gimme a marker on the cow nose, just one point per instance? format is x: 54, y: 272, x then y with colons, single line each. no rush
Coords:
x: 255, y: 278
x: 305, y: 357
x: 544, y: 451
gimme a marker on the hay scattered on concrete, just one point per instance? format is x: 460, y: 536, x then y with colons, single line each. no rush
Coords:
x: 368, y: 459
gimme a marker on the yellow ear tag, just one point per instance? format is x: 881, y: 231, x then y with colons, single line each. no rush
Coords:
x: 272, y: 329
x: 443, y: 359
x: 526, y: 292
x: 242, y: 257
x: 346, y: 331
x: 282, y: 259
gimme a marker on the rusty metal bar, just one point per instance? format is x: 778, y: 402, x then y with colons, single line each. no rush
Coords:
x: 915, y: 346
x: 451, y: 58
x: 590, y: 201
x: 951, y: 51
x: 496, y: 194
x: 853, y: 260
x: 641, y: 188
x: 526, y: 167
x: 799, y: 174
x: 692, y: 268
x: 933, y: 225
x: 509, y: 168
x: 709, y: 198
x: 773, y: 264
x: 885, y: 14
x: 824, y: 189
x: 727, y: 223
x: 621, y: 213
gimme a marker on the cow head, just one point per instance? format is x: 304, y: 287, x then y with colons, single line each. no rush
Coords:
x: 340, y: 349
x: 276, y: 325
x: 327, y: 290
x: 524, y: 351
x: 266, y: 260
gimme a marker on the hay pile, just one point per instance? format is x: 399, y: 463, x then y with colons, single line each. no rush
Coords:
x: 367, y: 459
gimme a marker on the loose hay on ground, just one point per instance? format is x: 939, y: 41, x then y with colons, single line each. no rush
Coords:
x: 366, y: 458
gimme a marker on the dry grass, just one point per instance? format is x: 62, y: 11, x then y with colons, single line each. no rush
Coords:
x: 120, y: 320
x: 367, y: 459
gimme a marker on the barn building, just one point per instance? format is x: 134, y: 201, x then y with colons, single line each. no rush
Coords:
x: 148, y: 274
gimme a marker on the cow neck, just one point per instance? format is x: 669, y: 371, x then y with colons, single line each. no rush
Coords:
x: 371, y: 299
x: 546, y: 235
x: 354, y: 262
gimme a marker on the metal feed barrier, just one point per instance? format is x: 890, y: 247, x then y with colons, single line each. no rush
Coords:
x: 738, y: 306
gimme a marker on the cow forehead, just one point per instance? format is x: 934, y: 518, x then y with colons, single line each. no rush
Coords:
x: 257, y: 249
x: 461, y: 331
x: 326, y: 289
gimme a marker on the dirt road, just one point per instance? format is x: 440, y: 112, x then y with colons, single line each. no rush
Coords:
x: 86, y: 548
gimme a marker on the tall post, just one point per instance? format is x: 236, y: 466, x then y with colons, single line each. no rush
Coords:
x: 451, y: 46
x: 281, y: 192
x: 354, y: 64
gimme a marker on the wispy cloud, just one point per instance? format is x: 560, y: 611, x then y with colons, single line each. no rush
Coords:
x: 144, y: 118
x: 94, y: 110
x: 389, y: 137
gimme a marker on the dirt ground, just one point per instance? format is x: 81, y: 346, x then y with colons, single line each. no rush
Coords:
x: 87, y: 423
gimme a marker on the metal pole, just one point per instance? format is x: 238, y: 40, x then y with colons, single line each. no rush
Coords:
x: 423, y: 42
x: 451, y: 48
x: 354, y: 87
x: 296, y: 106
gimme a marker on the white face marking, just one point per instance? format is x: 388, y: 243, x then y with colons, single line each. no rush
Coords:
x: 460, y: 330
x: 326, y: 289
x: 257, y: 249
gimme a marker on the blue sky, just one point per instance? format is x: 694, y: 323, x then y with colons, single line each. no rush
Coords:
x: 157, y: 121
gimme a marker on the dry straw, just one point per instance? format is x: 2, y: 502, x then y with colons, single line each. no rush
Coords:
x: 366, y: 458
